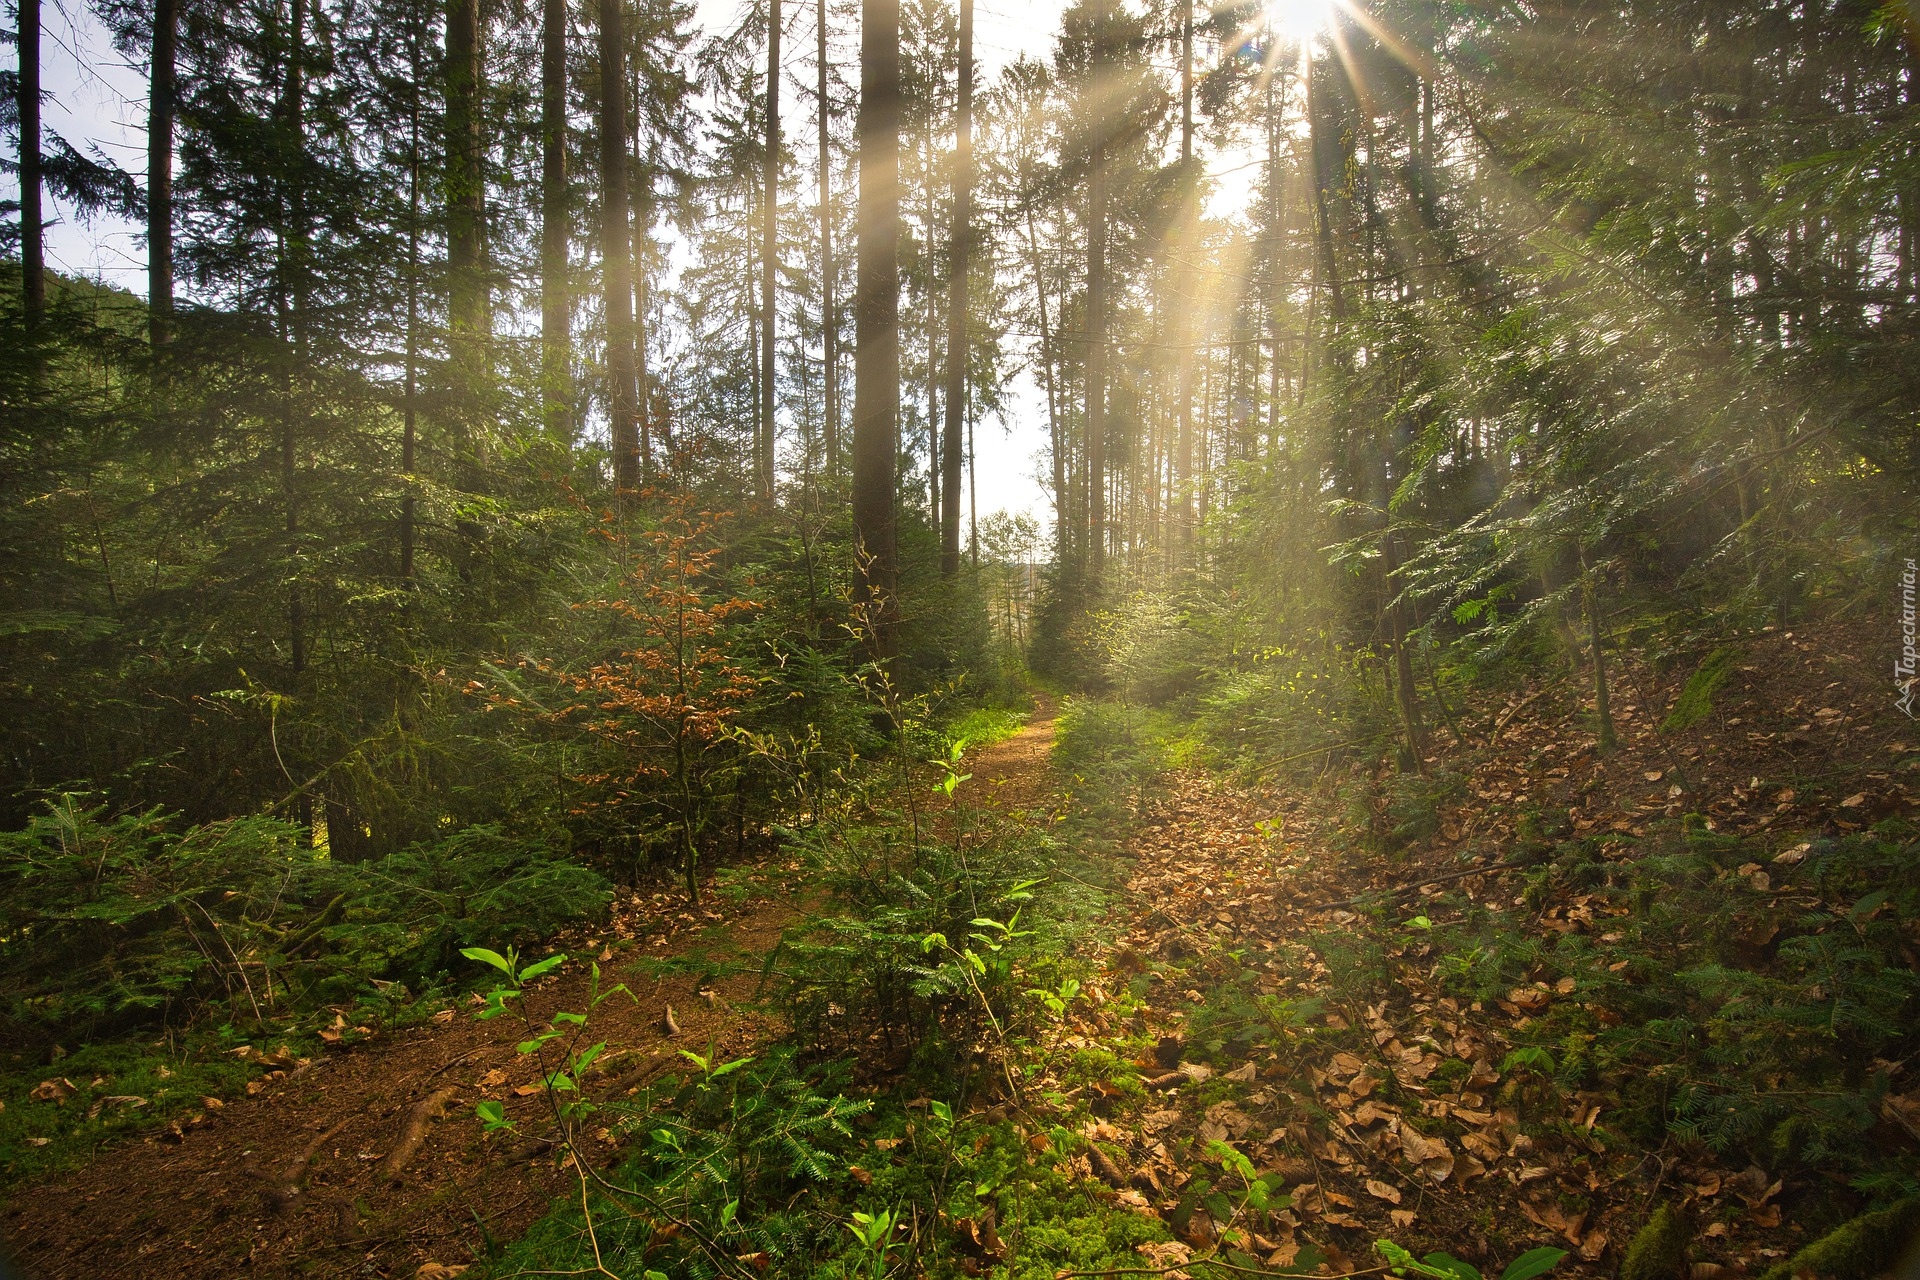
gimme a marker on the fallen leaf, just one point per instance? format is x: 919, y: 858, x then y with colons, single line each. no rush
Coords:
x: 443, y: 1017
x: 1429, y: 1155
x: 439, y: 1271
x: 492, y: 1078
x: 1551, y: 1216
x: 58, y: 1089
x: 527, y: 1090
x: 1383, y: 1190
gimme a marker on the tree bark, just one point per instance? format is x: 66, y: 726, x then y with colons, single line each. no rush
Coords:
x: 829, y: 321
x: 616, y: 285
x: 33, y: 250
x: 556, y: 300
x: 876, y: 372
x: 467, y: 316
x: 769, y: 255
x: 160, y: 114
x: 1096, y: 418
x: 957, y: 303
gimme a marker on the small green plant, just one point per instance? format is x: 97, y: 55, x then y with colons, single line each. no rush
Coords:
x: 562, y: 1072
x: 875, y: 1233
x: 1444, y: 1266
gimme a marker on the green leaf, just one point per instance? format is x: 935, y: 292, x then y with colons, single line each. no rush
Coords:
x: 1448, y: 1265
x: 1534, y: 1262
x: 941, y: 1111
x: 491, y: 1112
x: 725, y: 1067
x: 533, y: 971
x: 493, y: 958
x: 933, y: 940
x: 696, y: 1059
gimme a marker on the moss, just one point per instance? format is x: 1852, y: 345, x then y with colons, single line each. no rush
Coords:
x: 1696, y: 698
x: 1867, y: 1246
x: 1659, y: 1251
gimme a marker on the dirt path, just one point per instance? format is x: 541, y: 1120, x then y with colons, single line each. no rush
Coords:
x: 291, y: 1181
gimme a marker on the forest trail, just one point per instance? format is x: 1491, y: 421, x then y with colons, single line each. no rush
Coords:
x: 290, y: 1181
x: 1388, y: 1067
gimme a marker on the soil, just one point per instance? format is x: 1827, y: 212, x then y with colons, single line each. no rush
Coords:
x: 227, y: 1196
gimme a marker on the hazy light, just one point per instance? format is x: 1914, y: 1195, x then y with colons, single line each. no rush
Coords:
x: 1300, y: 21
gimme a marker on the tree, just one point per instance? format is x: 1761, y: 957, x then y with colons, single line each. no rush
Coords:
x: 615, y: 256
x: 468, y: 313
x: 556, y: 295
x: 33, y: 252
x: 160, y: 115
x: 876, y: 370
x: 770, y: 258
x: 665, y: 703
x: 829, y: 319
x: 957, y: 342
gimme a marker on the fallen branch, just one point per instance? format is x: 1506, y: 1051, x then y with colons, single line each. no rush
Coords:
x: 414, y: 1132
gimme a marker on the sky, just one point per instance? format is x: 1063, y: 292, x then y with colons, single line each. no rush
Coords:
x: 98, y: 101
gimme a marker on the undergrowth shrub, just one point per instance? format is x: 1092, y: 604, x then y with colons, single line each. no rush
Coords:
x: 1108, y: 754
x: 113, y: 923
x: 1292, y: 713
x: 1753, y: 1018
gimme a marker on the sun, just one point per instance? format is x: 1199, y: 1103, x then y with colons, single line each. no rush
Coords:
x: 1300, y: 22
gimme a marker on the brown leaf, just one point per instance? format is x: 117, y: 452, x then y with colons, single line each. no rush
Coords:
x: 859, y: 1175
x: 439, y: 1270
x: 1551, y: 1216
x: 1402, y: 1218
x: 1383, y: 1190
x: 1429, y: 1155
x: 58, y: 1089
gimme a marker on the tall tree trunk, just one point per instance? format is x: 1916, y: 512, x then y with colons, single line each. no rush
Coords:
x: 410, y: 417
x: 1062, y: 522
x: 769, y: 255
x: 1096, y: 421
x: 829, y: 321
x: 33, y: 249
x: 294, y: 294
x: 1317, y: 143
x: 1602, y: 700
x: 1179, y: 500
x: 640, y: 205
x: 876, y: 355
x: 556, y: 300
x: 957, y: 302
x: 160, y: 110
x: 616, y: 286
x: 467, y: 316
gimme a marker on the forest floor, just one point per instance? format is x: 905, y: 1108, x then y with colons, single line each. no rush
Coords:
x: 294, y: 1179
x: 1419, y: 1018
x: 1454, y: 1041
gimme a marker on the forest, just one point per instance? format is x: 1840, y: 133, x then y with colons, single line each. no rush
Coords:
x: 528, y: 749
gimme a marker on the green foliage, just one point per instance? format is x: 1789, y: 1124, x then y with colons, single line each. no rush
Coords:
x: 1872, y: 1244
x: 1696, y: 696
x: 1659, y: 1249
x: 1443, y: 1266
x: 112, y: 924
